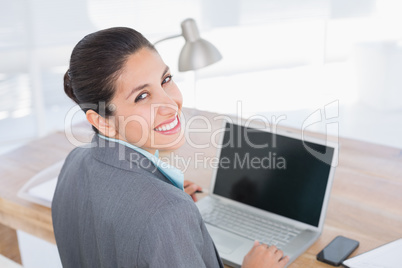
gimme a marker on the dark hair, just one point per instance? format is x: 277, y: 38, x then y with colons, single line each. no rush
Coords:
x: 96, y: 62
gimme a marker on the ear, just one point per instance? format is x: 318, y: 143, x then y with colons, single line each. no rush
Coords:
x: 104, y: 126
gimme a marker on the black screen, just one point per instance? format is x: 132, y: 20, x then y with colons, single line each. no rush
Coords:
x: 273, y: 172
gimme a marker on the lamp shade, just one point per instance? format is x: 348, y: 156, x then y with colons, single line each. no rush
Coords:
x: 197, y: 52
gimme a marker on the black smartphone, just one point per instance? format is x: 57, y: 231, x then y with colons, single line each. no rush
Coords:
x: 338, y: 250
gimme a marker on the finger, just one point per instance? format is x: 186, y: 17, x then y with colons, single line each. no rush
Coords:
x: 187, y: 183
x: 272, y: 249
x: 199, y: 189
x: 255, y: 245
x: 279, y: 254
x: 191, y: 189
x: 261, y: 247
x: 284, y: 260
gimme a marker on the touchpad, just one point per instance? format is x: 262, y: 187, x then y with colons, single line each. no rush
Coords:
x: 224, y: 242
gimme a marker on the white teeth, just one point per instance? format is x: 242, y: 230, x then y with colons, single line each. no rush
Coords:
x: 168, y: 126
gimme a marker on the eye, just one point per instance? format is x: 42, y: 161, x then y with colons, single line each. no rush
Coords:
x: 167, y: 79
x: 141, y: 96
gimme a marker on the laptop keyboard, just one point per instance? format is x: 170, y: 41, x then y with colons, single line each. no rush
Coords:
x: 250, y: 225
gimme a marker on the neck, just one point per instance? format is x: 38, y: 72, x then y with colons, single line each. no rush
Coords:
x: 118, y: 137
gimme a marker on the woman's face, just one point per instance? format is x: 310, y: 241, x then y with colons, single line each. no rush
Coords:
x: 148, y: 104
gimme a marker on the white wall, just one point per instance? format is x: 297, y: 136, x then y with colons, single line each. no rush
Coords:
x: 279, y: 55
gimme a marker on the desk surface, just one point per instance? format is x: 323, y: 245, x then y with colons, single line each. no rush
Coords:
x: 365, y: 201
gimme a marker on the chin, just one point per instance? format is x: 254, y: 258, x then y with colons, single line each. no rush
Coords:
x: 172, y: 145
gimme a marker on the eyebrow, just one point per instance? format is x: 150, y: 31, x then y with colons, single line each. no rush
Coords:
x: 146, y: 85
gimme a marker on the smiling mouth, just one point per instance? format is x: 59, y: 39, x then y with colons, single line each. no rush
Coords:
x: 169, y: 126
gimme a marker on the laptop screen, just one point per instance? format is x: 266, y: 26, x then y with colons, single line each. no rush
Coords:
x: 273, y: 172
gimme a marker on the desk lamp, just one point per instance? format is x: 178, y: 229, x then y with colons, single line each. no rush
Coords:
x: 197, y: 53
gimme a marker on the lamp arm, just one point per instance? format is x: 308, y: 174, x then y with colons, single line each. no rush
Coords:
x: 167, y: 38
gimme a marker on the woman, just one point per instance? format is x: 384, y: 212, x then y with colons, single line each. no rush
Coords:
x: 116, y: 204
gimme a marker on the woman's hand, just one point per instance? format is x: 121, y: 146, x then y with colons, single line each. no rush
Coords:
x: 190, y: 188
x: 264, y: 256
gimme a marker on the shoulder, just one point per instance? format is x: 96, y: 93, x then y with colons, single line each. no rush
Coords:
x: 119, y: 196
x: 78, y: 152
x: 104, y: 158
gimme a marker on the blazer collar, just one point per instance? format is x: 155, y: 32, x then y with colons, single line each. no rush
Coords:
x: 123, y: 157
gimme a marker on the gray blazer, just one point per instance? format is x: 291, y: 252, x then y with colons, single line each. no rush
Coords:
x: 113, y: 208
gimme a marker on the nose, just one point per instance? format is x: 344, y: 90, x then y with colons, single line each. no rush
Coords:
x: 166, y: 106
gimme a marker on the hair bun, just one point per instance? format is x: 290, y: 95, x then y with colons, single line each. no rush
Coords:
x: 68, y: 89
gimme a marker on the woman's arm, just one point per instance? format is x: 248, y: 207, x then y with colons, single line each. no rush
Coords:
x: 176, y: 236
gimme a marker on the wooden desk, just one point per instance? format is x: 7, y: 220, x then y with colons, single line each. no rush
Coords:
x: 365, y: 203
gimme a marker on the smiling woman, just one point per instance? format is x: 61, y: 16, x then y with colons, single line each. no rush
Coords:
x: 116, y: 203
x: 146, y: 102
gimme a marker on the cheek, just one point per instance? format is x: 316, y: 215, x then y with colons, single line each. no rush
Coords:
x: 135, y: 128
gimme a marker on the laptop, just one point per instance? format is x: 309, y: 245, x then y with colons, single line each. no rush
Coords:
x: 270, y: 187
